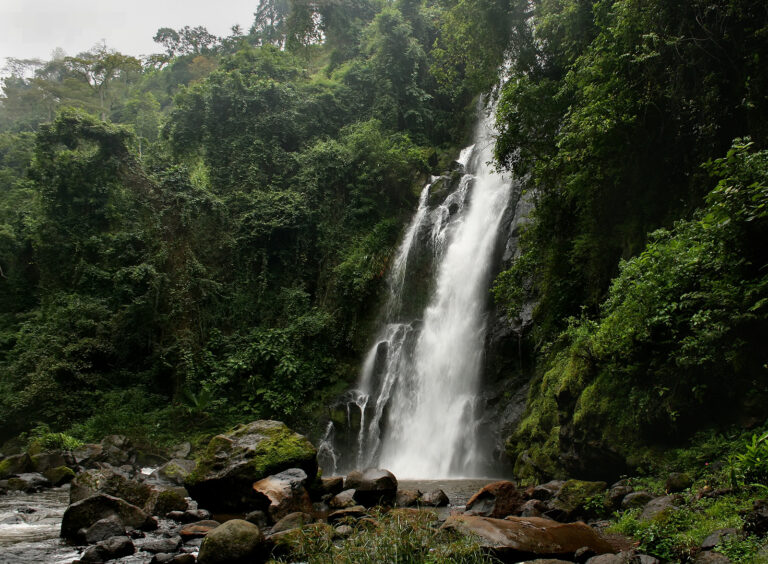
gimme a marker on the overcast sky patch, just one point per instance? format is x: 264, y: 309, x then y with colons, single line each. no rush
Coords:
x: 34, y: 28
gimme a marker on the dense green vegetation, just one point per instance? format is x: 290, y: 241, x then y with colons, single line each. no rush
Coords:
x: 200, y: 238
x: 642, y: 128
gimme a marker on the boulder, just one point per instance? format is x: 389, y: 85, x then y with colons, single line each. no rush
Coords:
x: 104, y: 529
x: 59, y: 476
x: 616, y: 495
x: 84, y: 513
x: 331, y: 486
x: 111, y: 482
x: 677, y: 482
x: 117, y: 450
x: 181, y: 450
x: 198, y: 529
x: 284, y: 493
x: 548, y: 490
x: 377, y: 487
x: 533, y: 508
x: 707, y: 557
x: 166, y: 544
x: 435, y: 498
x: 620, y: 558
x: 189, y: 516
x: 47, y: 460
x: 174, y: 471
x: 496, y: 500
x: 528, y: 537
x: 343, y: 531
x: 717, y: 537
x: 87, y: 455
x: 342, y: 500
x: 636, y: 499
x: 292, y: 521
x: 404, y: 498
x: 225, y: 472
x: 16, y: 464
x: 657, y: 506
x: 235, y: 542
x: 163, y: 502
x: 28, y: 482
x: 258, y: 518
x: 756, y: 520
x: 353, y: 480
x: 576, y: 497
x: 356, y: 512
x: 110, y: 549
x: 583, y: 554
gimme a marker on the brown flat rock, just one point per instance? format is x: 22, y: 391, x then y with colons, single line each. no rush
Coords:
x: 529, y: 537
x: 198, y: 529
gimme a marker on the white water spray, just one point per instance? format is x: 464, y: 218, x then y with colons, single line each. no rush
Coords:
x: 431, y: 422
x: 417, y: 395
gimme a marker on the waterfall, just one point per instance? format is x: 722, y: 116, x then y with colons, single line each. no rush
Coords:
x: 419, y: 384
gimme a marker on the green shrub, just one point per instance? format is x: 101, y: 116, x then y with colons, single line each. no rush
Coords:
x: 752, y: 461
x: 41, y: 438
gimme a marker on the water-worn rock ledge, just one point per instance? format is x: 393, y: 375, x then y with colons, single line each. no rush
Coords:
x: 265, y: 477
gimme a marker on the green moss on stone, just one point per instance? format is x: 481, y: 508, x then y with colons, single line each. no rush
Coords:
x: 578, y: 496
x: 5, y: 469
x: 274, y: 448
x: 60, y: 475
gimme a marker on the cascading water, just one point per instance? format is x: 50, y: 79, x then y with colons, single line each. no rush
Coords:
x: 416, y: 402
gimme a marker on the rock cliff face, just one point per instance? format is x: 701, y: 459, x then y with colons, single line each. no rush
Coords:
x: 508, y: 355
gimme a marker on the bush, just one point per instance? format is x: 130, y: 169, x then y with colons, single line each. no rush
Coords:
x: 41, y: 438
x: 752, y: 460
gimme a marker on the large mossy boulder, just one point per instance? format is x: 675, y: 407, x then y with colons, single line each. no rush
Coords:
x: 234, y: 542
x: 578, y: 498
x: 227, y: 469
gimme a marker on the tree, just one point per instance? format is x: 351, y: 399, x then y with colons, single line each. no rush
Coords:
x: 103, y: 69
x: 185, y: 41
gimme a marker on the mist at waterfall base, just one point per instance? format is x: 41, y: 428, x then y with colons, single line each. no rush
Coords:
x: 415, y: 410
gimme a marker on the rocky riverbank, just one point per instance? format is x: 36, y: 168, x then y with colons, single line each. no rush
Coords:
x: 254, y: 495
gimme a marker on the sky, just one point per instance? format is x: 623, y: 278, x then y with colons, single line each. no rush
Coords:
x: 34, y: 28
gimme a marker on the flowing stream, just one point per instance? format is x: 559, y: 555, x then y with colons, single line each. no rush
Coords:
x: 416, y: 406
x: 29, y: 528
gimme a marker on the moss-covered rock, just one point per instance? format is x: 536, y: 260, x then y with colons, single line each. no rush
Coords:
x: 226, y: 470
x: 17, y: 464
x: 234, y: 542
x: 59, y: 476
x: 580, y: 498
x: 175, y: 471
x: 167, y: 501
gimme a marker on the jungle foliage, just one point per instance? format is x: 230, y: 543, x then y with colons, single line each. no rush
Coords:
x: 201, y: 237
x: 641, y: 127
